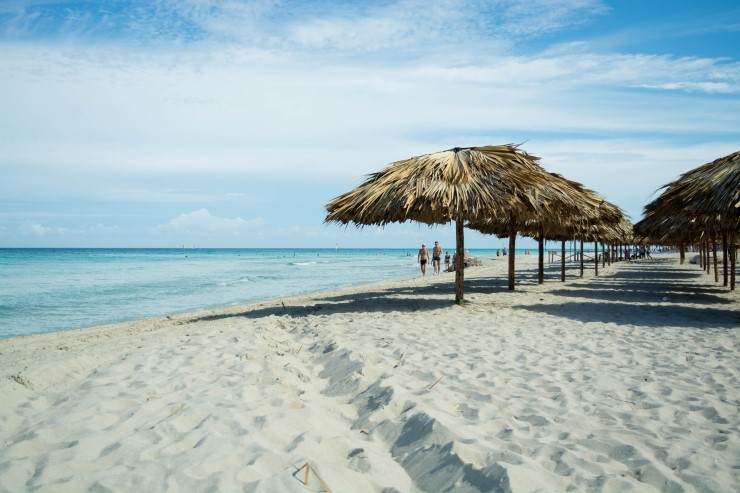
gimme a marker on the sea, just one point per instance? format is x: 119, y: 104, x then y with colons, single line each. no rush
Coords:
x: 50, y: 290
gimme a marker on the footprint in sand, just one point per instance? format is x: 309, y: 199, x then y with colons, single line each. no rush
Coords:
x: 467, y: 412
x: 358, y: 461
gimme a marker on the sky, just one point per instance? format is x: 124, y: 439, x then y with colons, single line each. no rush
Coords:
x: 205, y: 123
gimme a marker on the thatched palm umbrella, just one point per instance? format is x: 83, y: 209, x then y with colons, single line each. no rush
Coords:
x: 699, y: 204
x: 711, y: 188
x: 460, y: 184
x: 700, y: 195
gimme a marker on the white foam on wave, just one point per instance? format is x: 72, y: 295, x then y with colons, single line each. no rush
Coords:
x: 232, y: 282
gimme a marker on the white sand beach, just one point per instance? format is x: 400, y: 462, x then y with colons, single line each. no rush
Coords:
x: 629, y: 381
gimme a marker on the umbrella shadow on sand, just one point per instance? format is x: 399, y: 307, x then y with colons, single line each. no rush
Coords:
x: 401, y: 299
x: 653, y: 315
x: 415, y: 298
x: 639, y: 296
x: 633, y: 296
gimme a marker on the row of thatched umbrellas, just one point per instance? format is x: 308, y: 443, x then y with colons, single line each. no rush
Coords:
x: 493, y: 189
x: 700, y: 207
x: 503, y: 190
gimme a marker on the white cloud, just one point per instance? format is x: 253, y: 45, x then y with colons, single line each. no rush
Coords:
x: 35, y: 229
x: 100, y: 229
x: 339, y: 25
x: 594, y: 70
x: 202, y: 223
x: 708, y: 87
x: 74, y: 110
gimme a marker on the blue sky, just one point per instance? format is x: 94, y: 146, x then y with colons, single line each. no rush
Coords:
x: 162, y: 123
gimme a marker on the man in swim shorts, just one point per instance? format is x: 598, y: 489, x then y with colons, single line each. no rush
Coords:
x: 423, y: 258
x: 436, y: 257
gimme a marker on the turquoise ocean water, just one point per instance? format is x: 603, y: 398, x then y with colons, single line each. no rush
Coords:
x: 47, y: 290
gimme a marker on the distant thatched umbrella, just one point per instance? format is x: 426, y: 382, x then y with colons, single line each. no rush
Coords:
x: 460, y: 184
x: 591, y: 218
x: 560, y: 201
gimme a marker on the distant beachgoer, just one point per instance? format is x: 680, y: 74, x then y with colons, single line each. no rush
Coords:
x: 436, y: 257
x: 447, y: 261
x: 423, y: 257
x: 504, y: 250
x: 498, y: 252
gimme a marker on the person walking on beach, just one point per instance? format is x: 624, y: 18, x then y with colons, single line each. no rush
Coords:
x: 447, y: 261
x: 436, y: 257
x: 423, y: 258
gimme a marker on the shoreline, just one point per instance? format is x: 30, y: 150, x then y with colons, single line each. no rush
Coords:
x: 623, y: 381
x: 52, y: 309
x: 161, y: 320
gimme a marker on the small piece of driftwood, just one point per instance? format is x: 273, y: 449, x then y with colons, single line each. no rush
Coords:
x: 435, y: 383
x: 306, y: 477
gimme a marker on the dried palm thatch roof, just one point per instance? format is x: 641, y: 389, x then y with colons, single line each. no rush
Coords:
x: 702, y: 200
x: 708, y: 189
x: 460, y: 184
x: 594, y: 217
x: 620, y: 232
x: 668, y: 230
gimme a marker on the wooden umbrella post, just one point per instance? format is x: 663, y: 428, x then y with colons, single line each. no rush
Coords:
x: 460, y: 261
x: 603, y: 255
x: 724, y: 257
x: 562, y: 261
x: 707, y: 265
x: 541, y: 260
x: 596, y: 257
x: 733, y: 260
x: 512, y: 247
x: 714, y: 257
